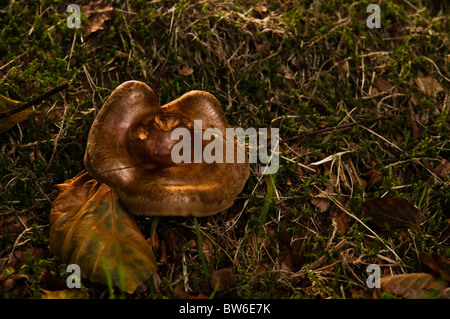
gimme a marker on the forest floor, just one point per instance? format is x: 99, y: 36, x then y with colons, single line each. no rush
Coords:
x: 308, y: 231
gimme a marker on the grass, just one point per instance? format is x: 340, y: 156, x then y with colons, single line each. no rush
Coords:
x: 308, y: 65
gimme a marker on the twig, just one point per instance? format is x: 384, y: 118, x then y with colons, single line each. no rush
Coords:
x: 35, y: 101
x: 338, y: 127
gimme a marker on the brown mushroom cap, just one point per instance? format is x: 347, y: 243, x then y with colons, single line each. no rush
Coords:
x: 129, y: 148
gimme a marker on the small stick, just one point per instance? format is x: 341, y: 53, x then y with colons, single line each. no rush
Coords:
x: 34, y: 101
x: 338, y: 127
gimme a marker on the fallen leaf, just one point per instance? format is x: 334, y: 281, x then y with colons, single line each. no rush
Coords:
x: 444, y: 294
x: 64, y: 294
x: 261, y: 12
x: 374, y: 177
x: 223, y: 278
x: 343, y: 71
x: 98, y: 13
x: 321, y: 201
x: 428, y: 85
x: 7, y: 104
x: 415, y: 131
x: 413, y: 286
x: 342, y: 220
x: 186, y: 71
x: 291, y: 245
x: 392, y: 212
x: 383, y: 85
x: 437, y: 263
x: 89, y: 227
x: 380, y: 85
x: 443, y: 169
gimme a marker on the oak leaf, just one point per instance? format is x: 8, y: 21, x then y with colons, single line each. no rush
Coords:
x: 89, y: 227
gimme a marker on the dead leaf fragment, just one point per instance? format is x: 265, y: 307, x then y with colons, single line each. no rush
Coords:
x: 7, y: 104
x: 392, y: 212
x: 322, y: 203
x: 374, y: 177
x: 321, y: 200
x: 98, y: 13
x: 224, y: 278
x: 342, y: 220
x: 443, y: 169
x: 291, y: 245
x: 380, y: 85
x: 415, y: 131
x: 64, y: 294
x: 428, y: 85
x: 260, y: 12
x: 437, y: 263
x: 186, y: 71
x: 89, y: 227
x: 414, y: 285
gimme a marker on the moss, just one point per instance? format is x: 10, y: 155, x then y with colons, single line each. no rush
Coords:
x: 324, y: 54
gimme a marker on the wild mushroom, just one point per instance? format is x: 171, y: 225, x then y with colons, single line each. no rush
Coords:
x: 130, y: 149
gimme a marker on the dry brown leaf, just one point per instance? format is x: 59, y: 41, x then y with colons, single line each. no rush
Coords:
x: 89, y: 227
x: 321, y: 201
x: 286, y: 262
x: 186, y: 71
x: 415, y: 131
x: 98, y: 13
x: 383, y: 85
x: 260, y: 12
x: 380, y: 85
x: 437, y: 263
x: 208, y: 249
x: 374, y: 177
x: 291, y: 247
x: 392, y: 212
x: 443, y: 169
x: 413, y: 286
x: 224, y: 278
x: 428, y: 85
x: 342, y: 220
x: 343, y: 71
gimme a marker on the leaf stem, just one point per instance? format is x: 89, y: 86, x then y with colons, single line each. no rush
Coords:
x: 34, y: 101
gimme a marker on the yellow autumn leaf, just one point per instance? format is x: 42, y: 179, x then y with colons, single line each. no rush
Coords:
x: 7, y: 104
x: 89, y: 227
